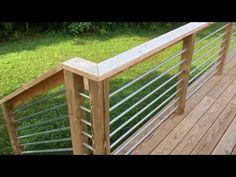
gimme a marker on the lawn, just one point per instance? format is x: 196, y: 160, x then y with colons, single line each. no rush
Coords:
x: 23, y: 60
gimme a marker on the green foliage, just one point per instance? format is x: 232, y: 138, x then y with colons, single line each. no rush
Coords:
x: 6, y: 28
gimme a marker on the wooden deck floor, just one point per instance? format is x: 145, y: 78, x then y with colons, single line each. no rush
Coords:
x: 208, y: 125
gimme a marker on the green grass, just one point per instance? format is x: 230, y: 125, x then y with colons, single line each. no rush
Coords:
x: 22, y: 61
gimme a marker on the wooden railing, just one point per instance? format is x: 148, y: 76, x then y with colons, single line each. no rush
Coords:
x: 88, y: 86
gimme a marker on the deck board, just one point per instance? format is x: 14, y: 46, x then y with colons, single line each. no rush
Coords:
x: 208, y: 124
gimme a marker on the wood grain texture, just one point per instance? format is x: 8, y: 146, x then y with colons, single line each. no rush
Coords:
x: 74, y: 85
x: 227, y: 142
x: 185, y: 67
x: 11, y: 127
x: 196, y: 133
x: 99, y: 101
x: 215, y: 132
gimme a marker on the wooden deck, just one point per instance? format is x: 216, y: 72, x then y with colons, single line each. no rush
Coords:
x: 208, y: 125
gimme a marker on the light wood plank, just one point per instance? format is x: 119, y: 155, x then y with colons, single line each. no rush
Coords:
x: 226, y: 144
x: 216, y: 131
x: 166, y: 127
x: 170, y: 142
x: 74, y: 85
x: 196, y: 133
x: 80, y: 66
x: 113, y: 66
x: 185, y: 67
x: 11, y: 127
x: 99, y: 94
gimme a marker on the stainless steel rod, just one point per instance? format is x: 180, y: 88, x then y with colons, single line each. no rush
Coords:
x: 150, y: 132
x: 198, y: 42
x: 201, y: 83
x: 48, y: 151
x: 86, y: 134
x: 86, y: 122
x: 146, y: 73
x: 199, y: 50
x: 145, y: 118
x: 41, y: 112
x: 147, y: 125
x: 44, y: 122
x: 141, y: 100
x: 88, y: 146
x: 207, y: 67
x: 40, y: 101
x: 145, y: 86
x: 84, y: 95
x: 205, y: 54
x: 138, y: 113
x: 207, y: 60
x: 47, y: 142
x: 45, y: 132
x: 85, y: 109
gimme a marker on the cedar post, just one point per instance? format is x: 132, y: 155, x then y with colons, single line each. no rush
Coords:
x: 99, y: 93
x: 185, y: 67
x: 225, y: 45
x: 74, y: 85
x: 11, y: 127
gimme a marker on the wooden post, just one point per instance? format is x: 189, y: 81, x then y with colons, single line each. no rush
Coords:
x: 185, y: 67
x: 99, y: 93
x: 11, y: 127
x: 74, y: 85
x: 225, y: 44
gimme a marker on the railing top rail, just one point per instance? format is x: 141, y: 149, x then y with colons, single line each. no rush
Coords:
x: 43, y: 83
x: 125, y: 60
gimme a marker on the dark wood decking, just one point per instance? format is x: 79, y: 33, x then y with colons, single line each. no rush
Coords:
x: 208, y: 125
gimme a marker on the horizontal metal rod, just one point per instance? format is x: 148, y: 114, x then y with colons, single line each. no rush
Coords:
x: 145, y: 86
x: 47, y: 142
x: 85, y: 109
x: 86, y: 122
x: 208, y: 44
x: 198, y: 42
x: 141, y: 100
x: 48, y: 150
x: 88, y: 146
x: 41, y: 112
x: 147, y: 125
x: 44, y: 122
x: 207, y: 60
x: 207, y: 67
x: 205, y: 54
x: 146, y: 73
x: 145, y: 118
x: 84, y: 95
x: 40, y: 101
x: 199, y: 86
x: 86, y: 134
x: 142, y: 110
x: 150, y: 132
x: 45, y: 132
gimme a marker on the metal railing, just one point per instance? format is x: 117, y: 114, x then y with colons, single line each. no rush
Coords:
x: 93, y: 109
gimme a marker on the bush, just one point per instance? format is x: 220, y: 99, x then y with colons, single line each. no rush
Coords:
x: 6, y: 28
